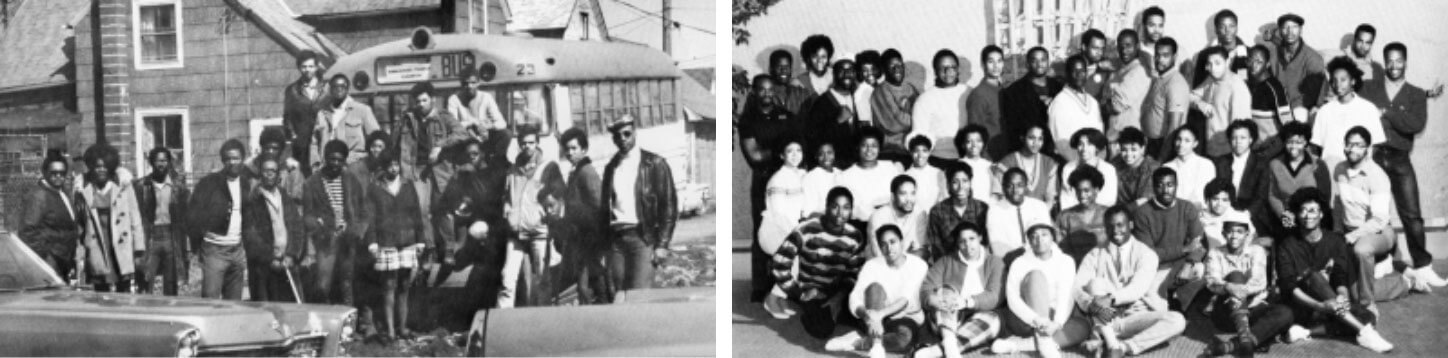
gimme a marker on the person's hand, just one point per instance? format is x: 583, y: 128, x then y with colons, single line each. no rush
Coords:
x: 1103, y: 304
x: 907, y: 104
x: 277, y: 264
x: 372, y: 248
x: 1288, y: 221
x: 875, y: 327
x: 1436, y: 91
x: 433, y: 155
x: 287, y: 261
x: 660, y: 254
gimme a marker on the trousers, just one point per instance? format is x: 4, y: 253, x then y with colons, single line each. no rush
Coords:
x: 223, y: 271
x: 1404, y: 182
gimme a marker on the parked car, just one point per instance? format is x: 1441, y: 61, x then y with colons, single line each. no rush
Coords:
x: 41, y: 316
x: 672, y: 322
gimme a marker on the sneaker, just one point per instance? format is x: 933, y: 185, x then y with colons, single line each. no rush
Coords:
x: 1221, y: 347
x: 930, y: 351
x: 1370, y: 339
x: 1246, y: 346
x: 1047, y: 348
x: 878, y: 351
x: 777, y: 307
x: 1425, y: 274
x: 1008, y: 345
x: 1296, y: 333
x: 846, y: 342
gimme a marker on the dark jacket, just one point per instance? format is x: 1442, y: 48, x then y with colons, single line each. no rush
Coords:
x: 256, y: 228
x: 480, y: 195
x: 581, y: 202
x: 949, y: 272
x: 209, y: 208
x: 1021, y: 108
x: 146, y: 201
x: 654, y: 196
x: 1404, y: 116
x: 822, y: 119
x: 47, y: 227
x: 299, y: 113
x: 1256, y: 186
x: 398, y: 219
x: 318, y: 217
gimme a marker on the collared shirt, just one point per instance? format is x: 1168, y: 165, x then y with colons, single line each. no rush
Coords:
x: 349, y: 122
x: 980, y: 180
x: 817, y: 184
x: 1130, y: 85
x: 1169, y: 93
x: 1193, y: 173
x: 1007, y: 222
x: 1335, y: 118
x: 1212, y: 227
x: 930, y: 185
x: 273, y: 199
x: 1128, y: 270
x: 1363, y: 196
x: 481, y: 111
x: 625, y: 176
x: 945, y: 216
x: 163, y: 201
x: 912, y: 228
x: 1252, y: 261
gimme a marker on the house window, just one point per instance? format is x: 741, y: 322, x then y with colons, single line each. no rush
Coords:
x: 157, y: 25
x: 586, y: 24
x: 163, y: 128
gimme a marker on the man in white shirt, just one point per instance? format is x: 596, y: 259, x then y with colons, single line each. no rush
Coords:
x: 475, y: 109
x: 1346, y: 110
x: 886, y: 298
x: 864, y: 178
x: 939, y: 112
x: 902, y: 214
x: 1039, y: 286
x: 1009, y: 217
x: 871, y: 73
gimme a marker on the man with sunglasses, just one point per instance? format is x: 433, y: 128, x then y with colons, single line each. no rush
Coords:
x: 51, y: 228
x: 640, y: 199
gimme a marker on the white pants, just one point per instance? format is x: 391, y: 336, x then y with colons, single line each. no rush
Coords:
x: 535, y: 249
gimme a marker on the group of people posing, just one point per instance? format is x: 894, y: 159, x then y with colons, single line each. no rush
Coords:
x: 1252, y: 186
x: 353, y: 212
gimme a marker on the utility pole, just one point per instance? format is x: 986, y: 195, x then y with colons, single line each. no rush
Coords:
x: 668, y: 27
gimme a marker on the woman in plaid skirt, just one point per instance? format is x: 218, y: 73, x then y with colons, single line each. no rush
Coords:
x: 395, y: 240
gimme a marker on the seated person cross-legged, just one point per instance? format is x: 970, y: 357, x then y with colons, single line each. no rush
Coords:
x: 1114, y: 289
x: 1237, y: 281
x: 886, y: 299
x: 815, y: 268
x: 1039, y: 286
x: 1315, y: 268
x: 961, y: 293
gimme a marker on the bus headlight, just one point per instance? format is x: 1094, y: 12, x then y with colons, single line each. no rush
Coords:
x: 361, y: 80
x: 349, y: 325
x: 188, y: 343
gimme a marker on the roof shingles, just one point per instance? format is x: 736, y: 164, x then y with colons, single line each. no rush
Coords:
x: 34, y: 43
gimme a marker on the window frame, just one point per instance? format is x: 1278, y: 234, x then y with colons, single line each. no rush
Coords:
x: 140, y: 114
x: 140, y: 62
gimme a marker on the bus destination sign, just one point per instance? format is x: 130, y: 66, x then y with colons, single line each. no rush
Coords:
x: 433, y: 67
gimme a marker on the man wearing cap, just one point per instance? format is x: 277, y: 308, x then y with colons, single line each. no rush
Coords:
x: 1237, y: 279
x: 1298, y: 66
x: 639, y: 196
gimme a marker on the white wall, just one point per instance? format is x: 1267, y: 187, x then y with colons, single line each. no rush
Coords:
x: 919, y: 28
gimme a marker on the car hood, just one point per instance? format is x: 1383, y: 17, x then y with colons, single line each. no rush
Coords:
x: 220, y: 322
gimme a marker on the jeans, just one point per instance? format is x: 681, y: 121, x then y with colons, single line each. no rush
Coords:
x: 332, y: 273
x: 820, y: 317
x: 521, y: 253
x: 1404, y: 182
x: 1263, y: 321
x: 165, y: 256
x: 222, y: 271
x: 632, y: 264
x: 1319, y: 288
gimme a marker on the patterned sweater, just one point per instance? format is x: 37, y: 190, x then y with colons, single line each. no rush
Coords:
x: 827, y: 262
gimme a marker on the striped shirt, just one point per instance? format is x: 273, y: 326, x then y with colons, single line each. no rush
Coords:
x: 334, y: 195
x: 826, y: 261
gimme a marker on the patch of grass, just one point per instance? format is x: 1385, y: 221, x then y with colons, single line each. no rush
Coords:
x: 693, y: 266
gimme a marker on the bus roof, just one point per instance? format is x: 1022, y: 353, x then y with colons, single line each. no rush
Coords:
x: 514, y: 60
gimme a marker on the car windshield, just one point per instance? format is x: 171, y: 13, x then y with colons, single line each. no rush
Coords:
x: 20, y: 268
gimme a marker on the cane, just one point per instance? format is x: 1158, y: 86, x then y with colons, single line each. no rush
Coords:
x: 292, y: 283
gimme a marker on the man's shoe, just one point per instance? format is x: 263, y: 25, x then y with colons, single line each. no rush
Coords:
x: 851, y: 341
x: 1220, y: 348
x: 1296, y: 334
x: 877, y: 351
x: 1426, y: 275
x: 1370, y: 339
x: 1008, y: 345
x: 1047, y: 348
x: 777, y: 307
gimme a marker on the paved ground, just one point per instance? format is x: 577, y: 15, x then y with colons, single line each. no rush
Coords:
x: 1415, y: 324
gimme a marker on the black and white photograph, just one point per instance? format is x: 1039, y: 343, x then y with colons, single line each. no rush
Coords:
x: 401, y: 178
x: 1099, y: 178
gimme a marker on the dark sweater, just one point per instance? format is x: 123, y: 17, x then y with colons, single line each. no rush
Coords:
x: 398, y: 222
x: 1167, y: 230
